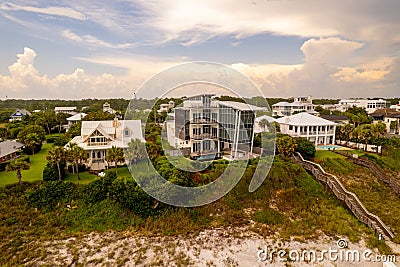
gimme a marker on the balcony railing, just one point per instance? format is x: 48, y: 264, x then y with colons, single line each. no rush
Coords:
x: 204, y: 121
x: 97, y: 143
x: 204, y: 136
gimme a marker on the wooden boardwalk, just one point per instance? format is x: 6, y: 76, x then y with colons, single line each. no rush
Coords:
x: 351, y: 200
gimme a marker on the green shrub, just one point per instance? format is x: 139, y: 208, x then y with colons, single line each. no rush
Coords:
x: 50, y: 193
x: 94, y: 192
x: 132, y: 197
x: 305, y: 148
x: 269, y: 216
x: 50, y: 171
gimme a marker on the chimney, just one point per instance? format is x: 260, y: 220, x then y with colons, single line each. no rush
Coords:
x: 115, y: 122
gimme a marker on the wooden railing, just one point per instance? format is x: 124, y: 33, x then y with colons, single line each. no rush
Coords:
x: 390, y: 181
x: 351, y: 200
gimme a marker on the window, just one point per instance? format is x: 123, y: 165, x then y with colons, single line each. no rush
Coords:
x: 126, y: 132
x: 290, y: 127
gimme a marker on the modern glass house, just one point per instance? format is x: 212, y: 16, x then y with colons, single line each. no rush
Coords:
x: 212, y: 128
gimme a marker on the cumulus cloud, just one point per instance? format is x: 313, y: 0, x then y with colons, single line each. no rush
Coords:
x: 331, y: 69
x: 25, y: 81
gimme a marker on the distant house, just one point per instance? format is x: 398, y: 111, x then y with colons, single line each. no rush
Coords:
x: 66, y: 110
x: 313, y: 128
x: 99, y: 136
x: 107, y: 108
x: 74, y: 119
x: 9, y: 150
x: 339, y: 119
x: 166, y: 107
x: 396, y: 107
x: 258, y: 128
x: 390, y: 117
x: 299, y: 104
x: 370, y: 105
x: 18, y: 114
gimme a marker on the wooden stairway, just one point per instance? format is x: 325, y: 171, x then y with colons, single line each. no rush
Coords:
x: 390, y: 181
x: 351, y: 200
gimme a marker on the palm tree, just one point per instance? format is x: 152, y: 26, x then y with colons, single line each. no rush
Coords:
x: 115, y: 154
x: 263, y: 123
x: 18, y: 165
x: 56, y: 155
x: 136, y: 150
x: 347, y: 130
x: 76, y: 155
x: 31, y: 141
x: 378, y: 131
x: 286, y: 145
x: 365, y: 134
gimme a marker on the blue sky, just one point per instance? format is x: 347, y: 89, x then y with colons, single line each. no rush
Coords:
x: 104, y: 49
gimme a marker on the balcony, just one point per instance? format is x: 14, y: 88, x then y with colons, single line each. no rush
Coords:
x: 203, y: 136
x: 97, y: 143
x: 203, y: 121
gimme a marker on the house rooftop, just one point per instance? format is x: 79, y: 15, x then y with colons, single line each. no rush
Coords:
x: 385, y: 112
x: 335, y: 117
x: 64, y: 108
x: 76, y: 117
x: 304, y: 119
x: 7, y: 147
x: 240, y: 106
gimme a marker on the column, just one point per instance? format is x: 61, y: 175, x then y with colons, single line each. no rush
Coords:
x: 326, y: 134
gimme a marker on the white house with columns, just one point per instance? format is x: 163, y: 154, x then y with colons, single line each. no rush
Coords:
x: 313, y: 128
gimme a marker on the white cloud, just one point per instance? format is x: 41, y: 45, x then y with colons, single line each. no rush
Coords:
x: 331, y: 69
x: 180, y: 19
x: 51, y: 10
x: 25, y: 81
x: 91, y: 40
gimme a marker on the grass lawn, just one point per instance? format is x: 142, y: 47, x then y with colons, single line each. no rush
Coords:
x: 86, y: 177
x: 35, y: 172
x: 321, y: 155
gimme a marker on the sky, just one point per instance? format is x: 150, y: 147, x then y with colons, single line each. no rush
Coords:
x: 107, y: 49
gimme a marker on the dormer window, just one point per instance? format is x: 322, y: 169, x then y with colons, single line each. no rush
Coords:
x: 126, y: 132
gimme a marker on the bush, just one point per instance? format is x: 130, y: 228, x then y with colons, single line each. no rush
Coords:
x: 94, y: 192
x: 269, y: 216
x: 98, y: 190
x: 132, y: 197
x: 305, y: 148
x: 50, y: 171
x: 50, y: 193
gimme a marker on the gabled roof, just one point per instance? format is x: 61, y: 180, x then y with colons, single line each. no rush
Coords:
x: 22, y: 112
x: 76, y: 117
x: 304, y: 119
x: 100, y: 129
x: 265, y: 117
x: 8, y: 147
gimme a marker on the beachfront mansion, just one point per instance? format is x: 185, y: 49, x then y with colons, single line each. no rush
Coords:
x: 99, y: 136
